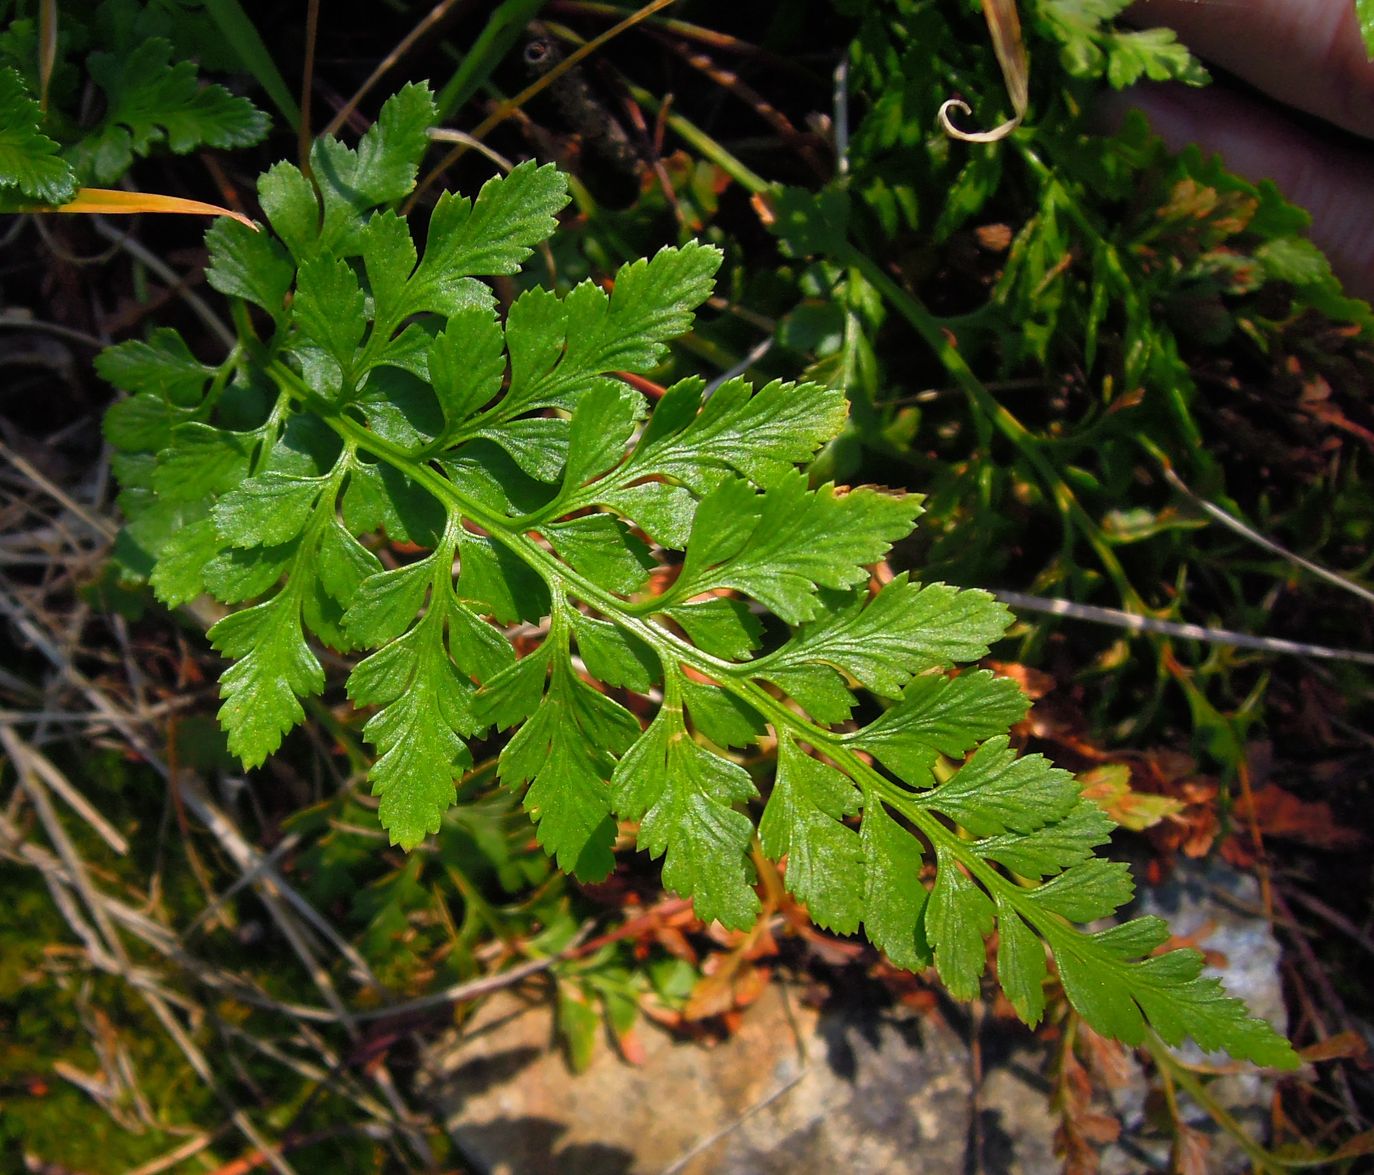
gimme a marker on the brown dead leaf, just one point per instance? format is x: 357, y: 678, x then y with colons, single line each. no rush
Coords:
x: 1097, y: 1127
x: 1107, y: 1059
x: 1079, y: 1155
x: 1281, y: 814
x: 728, y: 984
x: 1034, y: 683
x: 631, y: 1047
x: 1191, y: 1148
x: 1342, y: 1046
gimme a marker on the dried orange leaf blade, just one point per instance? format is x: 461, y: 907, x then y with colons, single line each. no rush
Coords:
x: 112, y: 202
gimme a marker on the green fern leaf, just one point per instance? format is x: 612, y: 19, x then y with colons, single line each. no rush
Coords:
x: 678, y: 555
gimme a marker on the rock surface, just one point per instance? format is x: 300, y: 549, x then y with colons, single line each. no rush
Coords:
x: 1221, y: 911
x: 795, y: 1090
x: 856, y: 1087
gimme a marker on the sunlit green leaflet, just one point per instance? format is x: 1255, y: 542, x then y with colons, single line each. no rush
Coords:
x: 391, y: 398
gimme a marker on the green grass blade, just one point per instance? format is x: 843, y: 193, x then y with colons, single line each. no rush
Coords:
x: 502, y: 29
x: 242, y: 36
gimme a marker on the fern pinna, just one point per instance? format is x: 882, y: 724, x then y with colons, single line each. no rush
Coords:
x: 390, y: 398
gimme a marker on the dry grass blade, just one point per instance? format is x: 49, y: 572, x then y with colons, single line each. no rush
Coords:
x: 115, y: 202
x: 1236, y: 526
x: 106, y: 949
x: 1193, y: 632
x: 1005, y: 27
x: 98, y: 920
x: 175, y: 1157
x: 172, y: 278
x: 731, y: 82
x: 42, y: 768
x: 169, y: 944
x: 102, y: 527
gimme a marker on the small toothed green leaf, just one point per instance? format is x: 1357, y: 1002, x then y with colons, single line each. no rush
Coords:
x: 1021, y: 968
x: 163, y: 366
x: 425, y: 712
x: 601, y: 427
x: 29, y: 161
x: 958, y: 918
x: 721, y: 716
x: 329, y: 309
x: 804, y: 821
x: 237, y: 574
x: 564, y: 752
x: 804, y: 539
x: 722, y: 627
x: 1116, y: 989
x: 499, y: 583
x: 1054, y: 847
x: 382, y: 168
x: 1086, y: 892
x: 941, y: 716
x: 491, y: 235
x: 466, y: 364
x: 684, y: 798
x: 389, y: 259
x: 180, y: 572
x: 602, y: 548
x: 820, y: 691
x: 894, y: 898
x: 268, y: 509
x: 273, y: 668
x: 202, y: 460
x: 996, y: 792
x: 902, y: 630
x: 538, y: 444
x: 143, y: 423
x: 613, y: 656
x: 292, y: 207
x: 380, y: 498
x: 652, y: 301
x: 761, y: 434
x: 249, y: 265
x: 558, y: 347
x: 385, y: 604
x: 345, y: 564
x: 662, y: 511
x: 150, y: 100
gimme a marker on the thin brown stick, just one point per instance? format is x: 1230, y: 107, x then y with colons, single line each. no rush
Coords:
x: 732, y: 83
x: 403, y: 46
x: 312, y: 28
x: 1334, y: 917
x: 510, y: 105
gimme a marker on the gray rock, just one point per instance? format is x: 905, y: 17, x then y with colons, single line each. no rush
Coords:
x: 857, y: 1087
x: 1223, y: 909
x: 795, y: 1090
